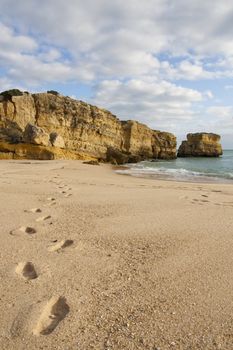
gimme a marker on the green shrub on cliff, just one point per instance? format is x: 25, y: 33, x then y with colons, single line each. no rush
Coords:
x: 8, y: 94
x: 53, y: 92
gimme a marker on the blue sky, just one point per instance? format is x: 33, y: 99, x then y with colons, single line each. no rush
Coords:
x: 166, y: 63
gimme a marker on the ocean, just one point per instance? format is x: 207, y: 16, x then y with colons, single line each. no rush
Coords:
x: 185, y: 169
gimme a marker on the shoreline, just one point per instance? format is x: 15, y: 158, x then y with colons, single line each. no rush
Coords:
x: 164, y: 178
x: 132, y: 263
x: 181, y: 173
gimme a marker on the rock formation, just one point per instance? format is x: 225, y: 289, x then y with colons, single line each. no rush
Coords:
x: 201, y: 145
x: 51, y: 126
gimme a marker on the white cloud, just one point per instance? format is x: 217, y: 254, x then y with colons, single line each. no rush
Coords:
x: 221, y: 119
x: 160, y: 104
x: 5, y: 83
x: 221, y: 112
x: 117, y: 39
x: 132, y: 52
x: 15, y: 43
x: 49, y: 55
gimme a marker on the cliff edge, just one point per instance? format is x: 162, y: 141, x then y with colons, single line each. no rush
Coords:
x: 52, y: 126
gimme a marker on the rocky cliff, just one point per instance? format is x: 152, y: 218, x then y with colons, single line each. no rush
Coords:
x: 51, y: 126
x: 201, y: 145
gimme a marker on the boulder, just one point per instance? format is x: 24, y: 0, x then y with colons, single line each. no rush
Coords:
x: 35, y: 135
x: 10, y: 131
x: 92, y: 162
x: 57, y: 140
x: 116, y: 157
x: 201, y: 145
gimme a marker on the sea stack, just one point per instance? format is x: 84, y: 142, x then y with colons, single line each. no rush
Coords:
x: 201, y: 145
x: 52, y: 126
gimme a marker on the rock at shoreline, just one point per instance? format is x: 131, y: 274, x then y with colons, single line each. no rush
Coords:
x: 201, y: 145
x: 92, y: 162
x: 71, y: 129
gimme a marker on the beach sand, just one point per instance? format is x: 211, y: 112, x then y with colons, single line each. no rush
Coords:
x: 95, y: 260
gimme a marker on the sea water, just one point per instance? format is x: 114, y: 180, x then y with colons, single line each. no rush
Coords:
x: 194, y: 169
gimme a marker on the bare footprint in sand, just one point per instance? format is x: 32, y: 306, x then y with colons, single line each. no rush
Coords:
x: 43, y: 218
x: 60, y: 245
x: 50, y: 204
x: 26, y: 270
x: 54, y: 312
x: 27, y: 229
x: 33, y: 210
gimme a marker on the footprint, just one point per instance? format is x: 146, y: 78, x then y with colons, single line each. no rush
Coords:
x: 204, y: 195
x: 34, y: 210
x: 54, y: 312
x: 50, y: 199
x: 19, y: 322
x: 68, y: 195
x: 27, y: 229
x: 26, y: 270
x: 49, y: 204
x: 60, y: 245
x: 43, y: 218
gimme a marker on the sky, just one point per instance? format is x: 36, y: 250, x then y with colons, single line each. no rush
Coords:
x: 165, y: 63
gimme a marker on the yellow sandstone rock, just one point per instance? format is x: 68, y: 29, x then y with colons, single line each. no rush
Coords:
x: 67, y: 128
x: 201, y: 145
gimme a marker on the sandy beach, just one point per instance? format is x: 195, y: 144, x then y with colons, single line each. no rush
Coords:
x: 117, y: 262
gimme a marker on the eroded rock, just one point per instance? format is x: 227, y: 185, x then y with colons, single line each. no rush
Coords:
x: 86, y: 131
x: 201, y: 145
x: 36, y: 135
x: 57, y: 140
x: 92, y: 162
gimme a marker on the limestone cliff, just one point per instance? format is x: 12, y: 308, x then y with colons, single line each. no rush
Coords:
x: 63, y: 126
x: 201, y: 145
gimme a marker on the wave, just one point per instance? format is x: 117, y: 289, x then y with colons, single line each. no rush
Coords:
x: 182, y: 174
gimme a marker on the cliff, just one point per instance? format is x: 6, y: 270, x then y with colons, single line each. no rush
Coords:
x: 51, y: 126
x: 201, y: 145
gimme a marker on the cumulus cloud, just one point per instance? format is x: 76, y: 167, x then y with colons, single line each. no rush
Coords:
x: 158, y: 103
x: 123, y: 38
x: 15, y: 43
x: 135, y: 55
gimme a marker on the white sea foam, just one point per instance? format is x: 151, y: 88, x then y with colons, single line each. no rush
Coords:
x: 143, y: 169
